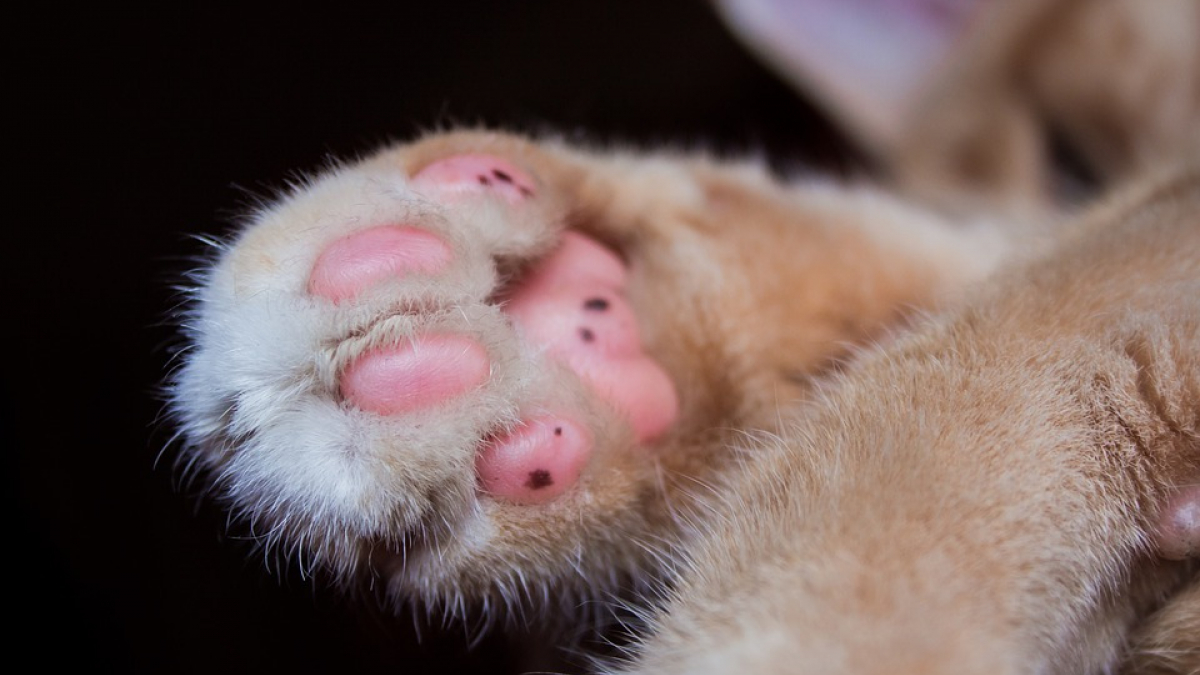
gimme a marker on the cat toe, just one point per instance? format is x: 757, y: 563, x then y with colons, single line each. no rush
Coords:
x: 537, y: 462
x: 354, y: 263
x: 416, y: 374
x: 470, y: 174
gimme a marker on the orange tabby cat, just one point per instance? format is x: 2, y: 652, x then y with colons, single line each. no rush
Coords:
x: 499, y: 372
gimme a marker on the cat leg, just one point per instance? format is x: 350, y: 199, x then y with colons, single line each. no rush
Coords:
x: 494, y: 372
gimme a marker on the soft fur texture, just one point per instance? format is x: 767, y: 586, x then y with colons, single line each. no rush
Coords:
x: 890, y: 457
x: 979, y: 497
x: 860, y: 261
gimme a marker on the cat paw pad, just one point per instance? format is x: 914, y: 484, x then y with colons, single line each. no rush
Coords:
x: 354, y: 263
x: 414, y: 375
x: 461, y: 175
x: 537, y: 462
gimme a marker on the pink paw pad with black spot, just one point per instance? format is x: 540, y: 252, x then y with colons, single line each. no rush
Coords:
x: 574, y: 306
x: 535, y: 463
x: 466, y: 175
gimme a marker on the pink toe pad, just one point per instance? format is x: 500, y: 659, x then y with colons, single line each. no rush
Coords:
x: 474, y: 174
x: 537, y: 462
x: 351, y: 265
x: 1178, y: 533
x: 416, y: 374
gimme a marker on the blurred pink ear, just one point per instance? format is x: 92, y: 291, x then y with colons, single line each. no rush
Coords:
x: 866, y: 61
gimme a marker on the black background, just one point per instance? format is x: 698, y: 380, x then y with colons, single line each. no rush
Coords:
x: 135, y: 130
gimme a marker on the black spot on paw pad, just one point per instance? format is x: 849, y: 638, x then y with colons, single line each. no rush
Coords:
x: 538, y: 479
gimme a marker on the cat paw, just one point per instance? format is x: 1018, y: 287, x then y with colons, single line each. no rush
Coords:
x: 568, y: 305
x: 491, y: 370
x: 415, y: 363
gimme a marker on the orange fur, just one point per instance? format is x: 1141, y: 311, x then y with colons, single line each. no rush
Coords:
x: 887, y: 460
x: 977, y: 498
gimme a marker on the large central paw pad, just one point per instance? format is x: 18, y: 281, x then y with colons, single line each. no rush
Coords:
x: 571, y: 306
